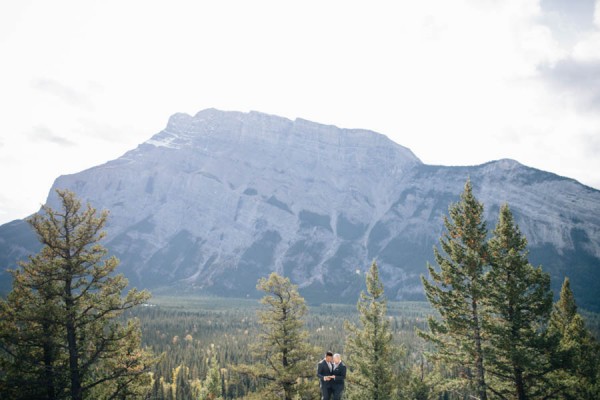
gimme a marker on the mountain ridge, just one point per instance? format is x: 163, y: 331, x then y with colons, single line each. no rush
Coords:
x: 218, y: 199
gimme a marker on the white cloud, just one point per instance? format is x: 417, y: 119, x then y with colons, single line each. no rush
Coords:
x: 45, y: 134
x: 63, y: 92
x: 588, y: 49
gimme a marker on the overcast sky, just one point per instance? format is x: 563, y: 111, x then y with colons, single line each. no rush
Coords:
x: 459, y: 82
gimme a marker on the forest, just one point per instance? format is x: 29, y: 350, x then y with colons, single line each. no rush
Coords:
x: 491, y: 328
x: 189, y: 331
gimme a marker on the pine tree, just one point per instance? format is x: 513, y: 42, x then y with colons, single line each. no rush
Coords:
x: 284, y: 356
x: 63, y: 313
x: 564, y: 310
x: 577, y: 373
x: 29, y: 337
x: 157, y: 392
x: 371, y: 352
x: 183, y: 389
x: 212, y: 387
x: 518, y: 301
x: 456, y: 292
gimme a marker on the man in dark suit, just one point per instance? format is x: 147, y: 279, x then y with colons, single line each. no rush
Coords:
x: 339, y: 376
x: 325, y: 372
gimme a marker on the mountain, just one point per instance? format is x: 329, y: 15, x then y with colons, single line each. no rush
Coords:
x: 217, y: 200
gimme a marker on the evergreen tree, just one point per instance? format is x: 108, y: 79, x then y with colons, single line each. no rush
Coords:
x: 371, y: 353
x: 518, y: 301
x: 30, y: 353
x: 60, y: 319
x: 577, y: 373
x: 212, y: 389
x: 183, y: 389
x: 564, y: 311
x: 283, y: 353
x: 456, y: 292
x: 157, y: 392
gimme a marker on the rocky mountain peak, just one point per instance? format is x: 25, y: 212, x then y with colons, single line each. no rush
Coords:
x: 216, y: 200
x: 271, y: 131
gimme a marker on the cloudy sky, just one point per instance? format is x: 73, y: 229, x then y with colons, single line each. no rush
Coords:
x: 459, y: 82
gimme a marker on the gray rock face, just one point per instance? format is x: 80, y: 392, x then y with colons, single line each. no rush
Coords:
x: 215, y: 201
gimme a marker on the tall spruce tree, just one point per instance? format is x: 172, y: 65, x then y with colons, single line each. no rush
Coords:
x: 284, y: 357
x: 564, y: 310
x: 518, y: 301
x: 577, y: 372
x: 456, y: 292
x: 183, y: 389
x: 369, y: 347
x: 212, y: 385
x: 60, y: 320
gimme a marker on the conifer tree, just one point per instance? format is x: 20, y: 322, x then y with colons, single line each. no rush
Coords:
x: 30, y: 353
x: 518, y: 301
x: 157, y: 392
x: 564, y: 310
x: 284, y: 356
x: 371, y: 352
x: 212, y: 386
x: 183, y: 389
x: 60, y: 319
x: 577, y: 373
x: 456, y: 291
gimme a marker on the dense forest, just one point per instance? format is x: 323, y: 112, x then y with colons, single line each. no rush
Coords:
x: 491, y: 328
x: 189, y: 331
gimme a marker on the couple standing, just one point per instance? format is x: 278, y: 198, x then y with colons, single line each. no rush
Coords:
x: 332, y: 374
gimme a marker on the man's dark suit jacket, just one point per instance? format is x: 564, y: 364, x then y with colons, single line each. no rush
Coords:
x: 340, y: 375
x: 323, y: 371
